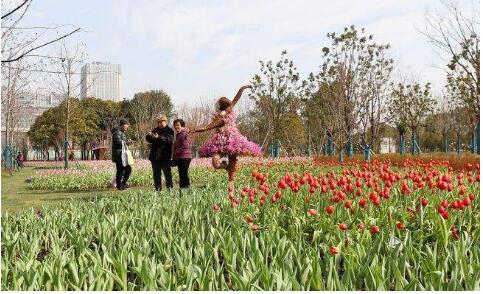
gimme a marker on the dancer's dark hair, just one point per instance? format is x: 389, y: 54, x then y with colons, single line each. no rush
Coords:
x: 223, y: 103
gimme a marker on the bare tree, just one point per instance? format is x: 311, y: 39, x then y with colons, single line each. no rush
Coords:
x: 456, y: 35
x: 374, y: 105
x: 67, y: 82
x: 14, y: 86
x: 19, y: 42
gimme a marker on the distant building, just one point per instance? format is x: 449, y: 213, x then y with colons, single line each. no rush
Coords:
x: 101, y: 80
x: 388, y: 145
x: 35, y: 105
x: 31, y: 106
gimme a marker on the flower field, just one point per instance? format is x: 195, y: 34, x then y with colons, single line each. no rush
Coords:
x: 100, y: 174
x: 290, y: 224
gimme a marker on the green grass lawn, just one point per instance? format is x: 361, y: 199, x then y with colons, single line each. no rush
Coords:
x: 17, y: 196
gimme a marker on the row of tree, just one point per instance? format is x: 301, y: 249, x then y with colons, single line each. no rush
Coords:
x: 348, y: 105
x: 354, y: 96
x: 92, y: 120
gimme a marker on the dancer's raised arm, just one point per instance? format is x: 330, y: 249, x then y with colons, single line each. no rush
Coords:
x: 237, y: 97
x: 217, y: 122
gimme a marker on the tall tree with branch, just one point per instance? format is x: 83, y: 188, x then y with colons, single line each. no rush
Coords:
x: 277, y: 90
x: 355, y: 70
x: 457, y: 36
x: 409, y: 106
x: 15, y: 84
x: 67, y: 83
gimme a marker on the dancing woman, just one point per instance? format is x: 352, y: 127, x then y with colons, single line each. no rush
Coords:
x: 227, y: 140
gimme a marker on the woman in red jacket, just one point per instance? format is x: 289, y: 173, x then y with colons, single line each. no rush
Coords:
x: 182, y: 152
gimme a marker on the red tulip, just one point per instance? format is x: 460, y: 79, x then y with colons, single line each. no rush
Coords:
x: 342, y: 227
x: 445, y: 215
x: 374, y: 229
x: 312, y: 212
x: 249, y: 219
x: 333, y: 250
x: 449, y: 187
x: 278, y: 194
x: 445, y: 204
x: 376, y: 201
x: 254, y: 228
x: 216, y: 208
x: 454, y: 233
x: 400, y: 226
x: 424, y: 201
x: 348, y: 204
x: 361, y: 226
x: 330, y: 209
x: 274, y: 199
x: 363, y: 202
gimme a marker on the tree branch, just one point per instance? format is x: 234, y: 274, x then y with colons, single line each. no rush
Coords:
x: 40, y: 46
x: 15, y: 9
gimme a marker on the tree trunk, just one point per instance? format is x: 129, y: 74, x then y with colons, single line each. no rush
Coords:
x: 445, y: 140
x: 341, y: 155
x: 458, y: 143
x: 350, y: 147
x: 401, y: 142
x: 477, y: 140
x: 367, y: 152
x: 413, y: 142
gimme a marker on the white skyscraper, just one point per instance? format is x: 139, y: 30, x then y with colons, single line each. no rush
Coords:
x: 101, y: 80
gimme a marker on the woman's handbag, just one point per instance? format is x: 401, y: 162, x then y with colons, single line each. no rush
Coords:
x: 130, y: 158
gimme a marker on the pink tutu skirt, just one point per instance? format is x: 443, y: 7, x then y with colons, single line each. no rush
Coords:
x: 228, y: 141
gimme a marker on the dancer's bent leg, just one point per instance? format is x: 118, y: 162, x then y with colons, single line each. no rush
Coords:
x: 232, y: 161
x: 216, y: 161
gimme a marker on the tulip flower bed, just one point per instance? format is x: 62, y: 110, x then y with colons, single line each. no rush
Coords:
x: 90, y: 175
x: 286, y: 226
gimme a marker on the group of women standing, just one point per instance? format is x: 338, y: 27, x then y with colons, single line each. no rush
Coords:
x: 168, y: 150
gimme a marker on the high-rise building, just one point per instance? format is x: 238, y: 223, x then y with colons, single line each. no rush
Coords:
x: 22, y: 115
x: 101, y: 80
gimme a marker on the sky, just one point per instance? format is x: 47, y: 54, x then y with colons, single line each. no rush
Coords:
x: 196, y: 50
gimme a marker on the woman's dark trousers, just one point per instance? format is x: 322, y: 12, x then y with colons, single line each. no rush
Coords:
x: 183, y: 167
x: 165, y: 167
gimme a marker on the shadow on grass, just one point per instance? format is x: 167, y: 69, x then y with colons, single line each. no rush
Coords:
x: 43, y: 192
x: 17, y: 196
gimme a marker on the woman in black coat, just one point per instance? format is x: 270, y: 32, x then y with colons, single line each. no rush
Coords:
x: 119, y: 148
x: 161, y: 139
